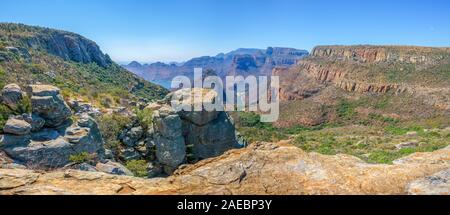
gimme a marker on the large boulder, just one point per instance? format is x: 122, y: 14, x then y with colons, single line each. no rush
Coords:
x: 212, y: 139
x: 36, y: 122
x: 47, y: 103
x: 52, y: 148
x: 436, y: 184
x: 17, y: 127
x: 210, y: 133
x: 113, y: 168
x: 11, y: 95
x: 169, y: 141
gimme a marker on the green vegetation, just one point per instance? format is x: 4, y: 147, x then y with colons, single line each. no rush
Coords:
x: 23, y: 106
x: 138, y: 167
x: 2, y: 78
x: 145, y: 118
x: 5, y: 112
x: 81, y: 157
x: 374, y: 142
x: 105, y: 86
x: 345, y: 110
x: 110, y: 127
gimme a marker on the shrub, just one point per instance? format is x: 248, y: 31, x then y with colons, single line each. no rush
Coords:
x: 81, y: 157
x: 345, y: 110
x: 2, y: 78
x: 145, y: 118
x: 5, y: 112
x: 111, y: 125
x: 138, y: 167
x: 23, y: 106
x: 249, y: 119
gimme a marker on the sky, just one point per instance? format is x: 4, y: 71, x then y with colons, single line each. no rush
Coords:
x: 177, y: 30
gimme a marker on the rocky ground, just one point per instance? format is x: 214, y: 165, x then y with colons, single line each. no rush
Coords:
x: 262, y: 168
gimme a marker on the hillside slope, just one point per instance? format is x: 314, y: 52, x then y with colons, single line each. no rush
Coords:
x: 30, y: 55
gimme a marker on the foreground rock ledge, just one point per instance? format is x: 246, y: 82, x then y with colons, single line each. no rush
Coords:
x: 262, y: 168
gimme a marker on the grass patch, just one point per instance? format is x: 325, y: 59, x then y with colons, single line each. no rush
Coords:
x: 138, y: 167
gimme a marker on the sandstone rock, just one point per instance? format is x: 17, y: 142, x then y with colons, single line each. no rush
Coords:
x: 113, y: 168
x: 87, y: 167
x: 51, y: 148
x: 17, y: 127
x: 411, y: 133
x: 261, y: 168
x: 409, y: 144
x: 49, y: 104
x: 436, y: 184
x: 11, y: 95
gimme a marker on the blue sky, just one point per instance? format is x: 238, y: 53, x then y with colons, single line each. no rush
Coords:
x: 176, y: 30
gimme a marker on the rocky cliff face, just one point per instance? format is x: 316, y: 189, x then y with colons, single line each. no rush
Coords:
x: 262, y: 168
x: 375, y: 54
x: 47, y: 137
x: 68, y: 46
x: 372, y: 69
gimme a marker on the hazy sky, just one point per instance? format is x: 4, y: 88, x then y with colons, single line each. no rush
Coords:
x: 176, y: 30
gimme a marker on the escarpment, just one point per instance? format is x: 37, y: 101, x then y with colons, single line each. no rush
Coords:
x: 375, y: 54
x: 419, y: 71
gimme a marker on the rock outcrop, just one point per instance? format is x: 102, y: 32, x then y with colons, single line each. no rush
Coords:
x: 262, y: 168
x: 436, y: 184
x: 47, y: 138
x: 175, y: 137
x: 47, y: 103
x: 11, y: 95
x: 375, y: 54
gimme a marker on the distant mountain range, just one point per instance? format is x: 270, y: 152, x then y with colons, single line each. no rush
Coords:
x: 242, y: 61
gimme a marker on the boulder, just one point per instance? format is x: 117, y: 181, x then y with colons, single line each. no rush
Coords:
x: 436, y: 184
x: 207, y: 141
x: 128, y: 154
x: 34, y: 120
x: 408, y: 144
x: 168, y: 138
x: 154, y: 170
x: 47, y: 103
x: 132, y: 137
x: 17, y: 127
x: 113, y: 168
x: 197, y: 117
x: 11, y: 95
x: 170, y: 152
x: 52, y: 148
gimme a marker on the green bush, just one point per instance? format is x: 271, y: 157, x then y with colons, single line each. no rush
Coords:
x: 23, y: 106
x: 110, y: 126
x: 2, y: 78
x: 5, y: 112
x: 249, y: 119
x: 138, y: 167
x: 345, y: 110
x: 145, y: 118
x: 81, y: 157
